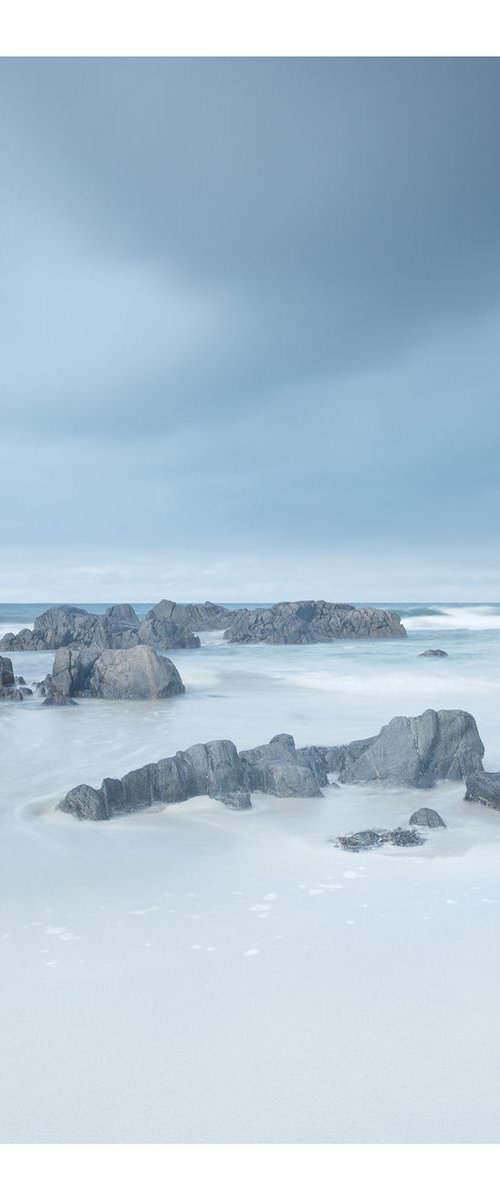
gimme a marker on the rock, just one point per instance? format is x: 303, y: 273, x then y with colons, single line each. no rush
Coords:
x: 20, y: 681
x: 158, y: 629
x: 287, y: 779
x: 208, y: 768
x: 338, y: 758
x: 118, y: 628
x: 7, y: 679
x: 313, y: 758
x: 85, y: 803
x: 417, y: 751
x: 427, y: 817
x: 368, y: 839
x: 313, y: 621
x: 406, y: 837
x: 11, y: 687
x: 236, y: 800
x: 124, y: 614
x: 433, y: 654
x: 195, y: 617
x: 137, y: 673
x: 483, y: 787
x: 56, y: 699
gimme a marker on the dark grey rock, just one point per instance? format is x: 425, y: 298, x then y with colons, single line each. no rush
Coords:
x: 124, y: 614
x: 7, y: 679
x: 427, y: 817
x: 417, y: 751
x: 86, y: 803
x: 433, y: 654
x: 483, y: 787
x: 307, y: 621
x: 338, y: 758
x: 134, y: 673
x: 313, y: 758
x: 406, y: 837
x: 369, y: 839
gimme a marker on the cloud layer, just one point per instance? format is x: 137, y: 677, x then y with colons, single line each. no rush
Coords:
x: 249, y: 327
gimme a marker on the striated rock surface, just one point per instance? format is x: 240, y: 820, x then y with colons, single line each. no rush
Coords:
x: 417, y: 751
x: 212, y: 768
x: 483, y: 787
x: 308, y: 621
x: 138, y: 673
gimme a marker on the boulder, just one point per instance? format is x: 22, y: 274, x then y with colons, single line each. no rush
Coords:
x: 309, y: 621
x: 124, y: 614
x: 418, y: 751
x: 193, y: 617
x: 11, y: 687
x: 427, y: 817
x: 137, y: 673
x: 483, y: 787
x: 433, y: 654
x: 160, y: 630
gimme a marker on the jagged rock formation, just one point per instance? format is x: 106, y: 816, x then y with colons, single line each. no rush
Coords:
x: 167, y: 626
x: 483, y: 787
x: 138, y: 673
x: 308, y: 621
x: 417, y: 751
x: 279, y: 768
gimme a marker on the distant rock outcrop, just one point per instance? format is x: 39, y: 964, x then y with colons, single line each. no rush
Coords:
x: 309, y: 621
x: 417, y: 751
x: 433, y: 654
x: 138, y: 673
x: 167, y: 626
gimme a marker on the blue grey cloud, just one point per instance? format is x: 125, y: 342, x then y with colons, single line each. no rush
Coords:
x: 249, y: 309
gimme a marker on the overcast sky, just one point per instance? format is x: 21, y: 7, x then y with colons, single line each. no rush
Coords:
x: 250, y: 329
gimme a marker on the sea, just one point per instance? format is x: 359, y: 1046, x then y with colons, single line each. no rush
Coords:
x: 202, y: 975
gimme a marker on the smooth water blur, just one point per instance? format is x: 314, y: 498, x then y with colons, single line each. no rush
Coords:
x: 203, y: 975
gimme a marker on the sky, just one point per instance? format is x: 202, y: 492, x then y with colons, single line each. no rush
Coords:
x: 249, y: 329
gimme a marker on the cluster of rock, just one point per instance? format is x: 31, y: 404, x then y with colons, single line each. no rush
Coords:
x: 306, y: 621
x: 137, y: 673
x: 12, y: 687
x: 411, y: 752
x: 169, y: 626
x: 368, y: 839
x: 166, y: 626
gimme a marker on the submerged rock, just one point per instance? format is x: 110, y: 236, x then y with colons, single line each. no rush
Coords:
x: 138, y: 673
x: 306, y: 621
x: 427, y: 817
x: 369, y: 839
x: 433, y: 654
x: 483, y: 787
x: 417, y: 751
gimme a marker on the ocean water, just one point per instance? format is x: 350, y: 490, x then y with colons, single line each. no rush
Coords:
x: 202, y: 975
